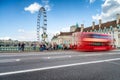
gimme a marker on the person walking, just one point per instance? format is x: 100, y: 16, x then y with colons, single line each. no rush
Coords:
x: 19, y: 46
x: 22, y: 46
x: 34, y: 46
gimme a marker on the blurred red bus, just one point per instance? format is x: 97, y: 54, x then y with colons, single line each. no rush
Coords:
x: 90, y: 41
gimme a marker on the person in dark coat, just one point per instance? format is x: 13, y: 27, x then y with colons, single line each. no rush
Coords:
x: 22, y: 46
x: 19, y: 47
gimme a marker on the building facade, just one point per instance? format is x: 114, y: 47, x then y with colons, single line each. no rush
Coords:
x: 111, y: 27
x: 63, y: 38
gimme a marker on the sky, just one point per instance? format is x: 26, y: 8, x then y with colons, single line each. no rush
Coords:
x: 18, y: 18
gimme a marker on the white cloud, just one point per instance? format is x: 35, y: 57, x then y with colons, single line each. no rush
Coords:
x: 109, y: 10
x: 21, y: 30
x: 47, y: 7
x: 22, y: 35
x: 36, y: 6
x: 65, y: 29
x: 45, y: 1
x: 92, y: 1
x: 31, y: 35
x: 33, y: 7
x: 97, y: 17
x: 26, y: 35
x: 5, y: 38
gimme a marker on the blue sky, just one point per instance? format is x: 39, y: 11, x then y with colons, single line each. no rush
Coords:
x: 18, y: 18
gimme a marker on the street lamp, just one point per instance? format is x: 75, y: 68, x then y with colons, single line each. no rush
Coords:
x: 114, y: 39
x: 112, y: 30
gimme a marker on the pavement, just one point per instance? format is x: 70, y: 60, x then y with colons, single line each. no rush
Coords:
x: 60, y: 65
x: 115, y: 50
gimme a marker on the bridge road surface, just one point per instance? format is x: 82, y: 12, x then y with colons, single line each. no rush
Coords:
x: 61, y: 65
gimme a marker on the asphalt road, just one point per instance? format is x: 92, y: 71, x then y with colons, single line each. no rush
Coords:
x: 60, y: 65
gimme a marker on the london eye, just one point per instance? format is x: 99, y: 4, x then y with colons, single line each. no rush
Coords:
x: 42, y: 24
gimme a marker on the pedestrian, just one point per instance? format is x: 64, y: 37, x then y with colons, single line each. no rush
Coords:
x: 34, y: 46
x: 44, y: 47
x: 19, y: 46
x: 41, y: 47
x: 22, y: 46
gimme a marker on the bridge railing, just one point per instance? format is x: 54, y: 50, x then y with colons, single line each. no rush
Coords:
x: 15, y: 49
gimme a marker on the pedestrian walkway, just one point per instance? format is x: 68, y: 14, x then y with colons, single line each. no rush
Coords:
x: 116, y: 50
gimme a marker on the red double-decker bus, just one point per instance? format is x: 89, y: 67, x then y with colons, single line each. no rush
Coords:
x: 90, y: 41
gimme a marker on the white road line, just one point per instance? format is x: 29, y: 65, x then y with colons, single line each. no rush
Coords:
x: 18, y: 59
x: 95, y: 54
x: 70, y: 56
x: 98, y: 54
x: 9, y: 60
x: 59, y: 66
x: 113, y: 53
x: 17, y: 54
x: 115, y: 63
x: 57, y: 57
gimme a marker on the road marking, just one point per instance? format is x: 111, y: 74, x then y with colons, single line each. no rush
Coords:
x: 34, y: 54
x: 70, y: 56
x: 51, y: 53
x: 115, y: 63
x: 113, y: 53
x: 57, y: 57
x: 9, y: 60
x: 48, y: 57
x: 59, y: 66
x: 17, y: 59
